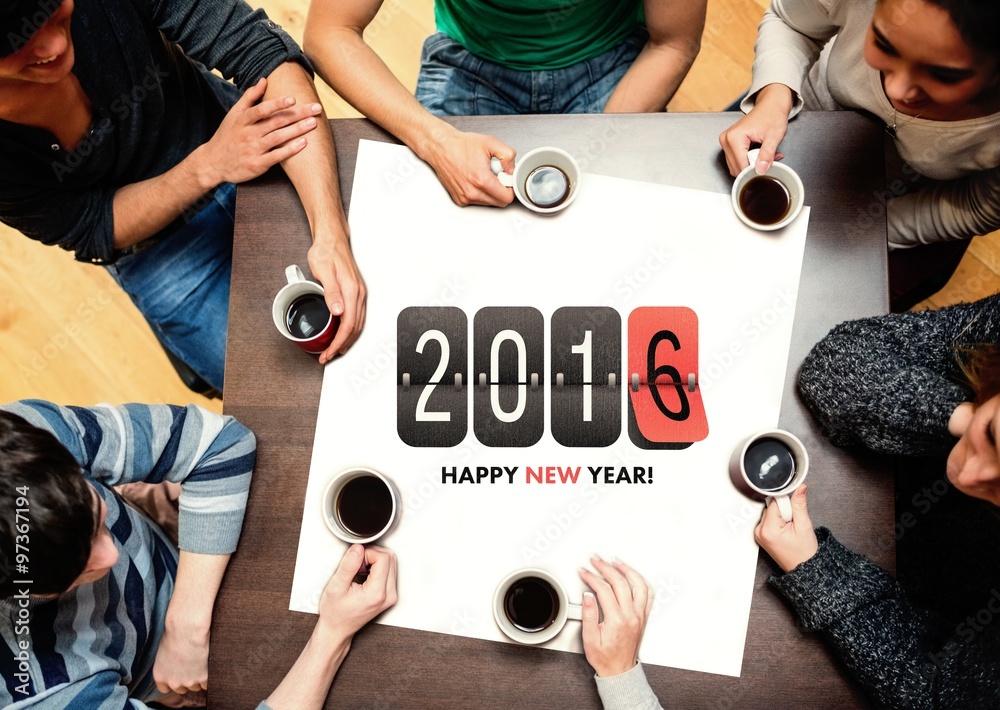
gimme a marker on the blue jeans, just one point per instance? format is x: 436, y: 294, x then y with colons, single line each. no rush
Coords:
x: 454, y: 82
x: 179, y: 281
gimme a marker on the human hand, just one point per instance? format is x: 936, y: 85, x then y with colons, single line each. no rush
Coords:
x: 766, y: 124
x: 181, y: 664
x: 332, y: 264
x: 612, y: 646
x: 462, y: 163
x: 788, y: 544
x: 973, y: 465
x: 346, y: 606
x: 253, y: 136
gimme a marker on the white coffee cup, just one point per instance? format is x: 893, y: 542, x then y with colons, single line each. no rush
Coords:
x: 784, y: 175
x: 541, y: 602
x: 532, y: 188
x: 360, y: 505
x: 749, y: 476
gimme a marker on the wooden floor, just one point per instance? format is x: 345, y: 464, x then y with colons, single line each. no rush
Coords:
x: 69, y: 335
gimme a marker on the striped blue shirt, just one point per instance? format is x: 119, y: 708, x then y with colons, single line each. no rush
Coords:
x: 93, y: 647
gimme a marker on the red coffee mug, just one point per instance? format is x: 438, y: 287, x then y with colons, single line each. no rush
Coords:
x: 302, y: 293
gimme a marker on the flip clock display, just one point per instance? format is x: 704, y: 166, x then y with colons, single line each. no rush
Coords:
x: 431, y: 400
x: 586, y: 346
x: 585, y: 383
x: 665, y: 409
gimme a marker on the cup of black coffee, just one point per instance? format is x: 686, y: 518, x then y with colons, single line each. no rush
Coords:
x: 770, y: 464
x: 360, y: 505
x: 531, y: 607
x: 301, y: 315
x: 545, y: 180
x: 770, y: 201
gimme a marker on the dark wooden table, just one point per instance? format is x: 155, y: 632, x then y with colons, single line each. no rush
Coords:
x: 275, y: 391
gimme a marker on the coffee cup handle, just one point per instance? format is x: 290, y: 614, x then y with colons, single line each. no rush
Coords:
x: 784, y: 507
x: 752, y: 156
x: 574, y: 612
x: 506, y: 179
x: 293, y: 273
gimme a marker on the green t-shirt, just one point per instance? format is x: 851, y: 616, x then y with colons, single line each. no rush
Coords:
x: 538, y: 34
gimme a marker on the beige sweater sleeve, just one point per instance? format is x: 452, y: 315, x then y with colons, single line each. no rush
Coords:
x: 790, y: 37
x: 946, y: 210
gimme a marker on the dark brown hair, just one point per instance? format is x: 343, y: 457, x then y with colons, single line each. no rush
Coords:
x: 981, y: 367
x: 47, y: 503
x: 978, y: 21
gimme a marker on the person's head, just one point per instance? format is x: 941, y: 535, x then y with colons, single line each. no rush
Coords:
x: 937, y: 57
x: 50, y: 510
x: 35, y: 41
x: 974, y: 462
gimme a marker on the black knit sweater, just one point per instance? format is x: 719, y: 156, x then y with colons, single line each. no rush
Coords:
x: 904, y: 656
x: 890, y: 383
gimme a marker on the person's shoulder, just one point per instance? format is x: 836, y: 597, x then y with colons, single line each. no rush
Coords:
x: 39, y: 413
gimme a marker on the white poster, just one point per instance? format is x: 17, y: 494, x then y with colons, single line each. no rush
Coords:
x: 474, y: 511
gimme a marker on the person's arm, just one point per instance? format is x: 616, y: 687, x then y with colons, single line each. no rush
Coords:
x: 313, y: 172
x: 227, y: 35
x: 345, y: 607
x: 252, y: 137
x: 244, y: 45
x: 611, y: 644
x: 212, y: 457
x: 789, y: 40
x: 675, y: 29
x: 945, y: 210
x: 97, y: 221
x: 334, y: 43
x: 182, y: 657
x: 891, y: 383
x: 905, y: 657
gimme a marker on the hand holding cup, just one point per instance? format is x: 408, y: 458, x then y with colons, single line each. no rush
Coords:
x: 346, y: 605
x: 789, y: 543
x: 545, y: 180
x: 769, y: 201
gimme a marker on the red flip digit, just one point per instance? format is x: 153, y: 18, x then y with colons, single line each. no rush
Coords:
x: 666, y: 410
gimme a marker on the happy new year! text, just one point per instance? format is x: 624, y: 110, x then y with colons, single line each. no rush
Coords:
x: 546, y: 474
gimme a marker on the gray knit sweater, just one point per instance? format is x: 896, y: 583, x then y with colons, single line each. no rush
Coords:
x: 890, y: 383
x: 903, y: 656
